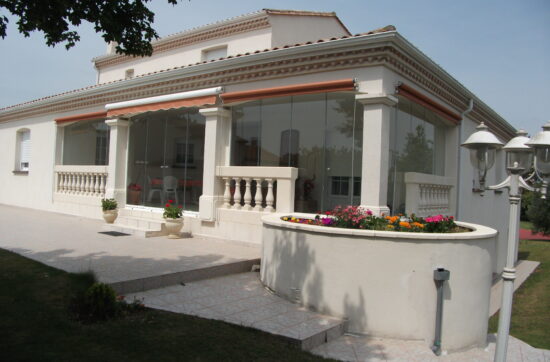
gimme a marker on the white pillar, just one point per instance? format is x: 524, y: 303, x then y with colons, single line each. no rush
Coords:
x: 118, y: 148
x: 217, y: 139
x: 377, y: 112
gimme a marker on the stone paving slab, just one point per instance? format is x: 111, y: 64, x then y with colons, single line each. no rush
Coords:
x: 73, y: 244
x: 362, y: 348
x: 241, y: 299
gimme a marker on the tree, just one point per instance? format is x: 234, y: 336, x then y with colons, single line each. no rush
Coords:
x: 539, y: 214
x: 126, y: 22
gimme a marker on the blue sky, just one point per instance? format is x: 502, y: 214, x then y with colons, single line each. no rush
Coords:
x: 500, y: 50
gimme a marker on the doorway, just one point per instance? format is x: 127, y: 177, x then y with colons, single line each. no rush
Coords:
x: 165, y: 158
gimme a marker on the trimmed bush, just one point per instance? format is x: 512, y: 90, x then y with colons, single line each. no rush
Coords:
x: 539, y: 214
x: 98, y: 303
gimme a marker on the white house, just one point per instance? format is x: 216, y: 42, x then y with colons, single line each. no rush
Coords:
x: 289, y: 106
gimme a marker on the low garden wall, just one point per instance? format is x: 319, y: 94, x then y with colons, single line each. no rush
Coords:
x: 383, y: 281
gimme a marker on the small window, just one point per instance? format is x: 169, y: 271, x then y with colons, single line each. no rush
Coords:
x: 215, y: 53
x: 357, y: 186
x: 340, y: 185
x: 23, y: 152
x: 129, y: 74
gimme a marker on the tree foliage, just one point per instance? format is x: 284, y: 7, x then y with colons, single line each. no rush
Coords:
x: 126, y: 22
x: 539, y: 214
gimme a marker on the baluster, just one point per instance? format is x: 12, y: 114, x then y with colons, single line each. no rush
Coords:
x: 237, y: 195
x: 71, y: 182
x: 258, y: 197
x: 227, y: 193
x: 247, y: 195
x: 103, y: 180
x: 59, y: 182
x: 96, y: 185
x: 79, y: 185
x: 269, y: 197
x: 85, y: 184
x: 65, y: 182
x: 93, y: 186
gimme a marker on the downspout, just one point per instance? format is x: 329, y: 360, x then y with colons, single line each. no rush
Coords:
x: 459, y: 158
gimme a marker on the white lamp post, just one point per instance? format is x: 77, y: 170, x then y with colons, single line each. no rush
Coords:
x: 519, y: 155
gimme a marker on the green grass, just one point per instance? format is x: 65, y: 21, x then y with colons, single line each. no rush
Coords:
x: 531, y: 309
x: 35, y: 325
x: 526, y: 225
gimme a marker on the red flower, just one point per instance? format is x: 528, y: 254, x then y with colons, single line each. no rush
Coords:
x: 170, y: 201
x: 167, y: 205
x: 179, y: 206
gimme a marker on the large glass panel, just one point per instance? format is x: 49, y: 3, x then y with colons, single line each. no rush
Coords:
x: 417, y: 144
x: 309, y: 123
x: 320, y: 134
x: 246, y: 134
x: 86, y: 143
x: 165, y: 158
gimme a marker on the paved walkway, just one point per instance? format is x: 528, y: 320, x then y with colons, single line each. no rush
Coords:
x: 73, y: 244
x: 525, y: 234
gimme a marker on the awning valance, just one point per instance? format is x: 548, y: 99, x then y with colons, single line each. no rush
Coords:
x: 82, y: 117
x: 417, y: 97
x: 296, y: 89
x: 196, y: 98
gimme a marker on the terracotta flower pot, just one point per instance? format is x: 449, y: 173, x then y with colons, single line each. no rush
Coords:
x: 173, y: 226
x: 110, y: 216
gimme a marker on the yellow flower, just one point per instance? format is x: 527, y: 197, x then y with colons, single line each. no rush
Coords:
x: 391, y: 227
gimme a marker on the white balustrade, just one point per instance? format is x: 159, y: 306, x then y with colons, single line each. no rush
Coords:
x: 428, y: 195
x: 269, y: 181
x: 81, y: 180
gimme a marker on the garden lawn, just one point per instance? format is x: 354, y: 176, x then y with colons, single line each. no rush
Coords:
x: 35, y: 325
x: 531, y: 309
x: 526, y: 225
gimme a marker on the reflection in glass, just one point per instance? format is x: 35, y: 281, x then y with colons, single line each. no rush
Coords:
x: 320, y: 134
x: 86, y: 143
x: 417, y: 144
x: 165, y: 158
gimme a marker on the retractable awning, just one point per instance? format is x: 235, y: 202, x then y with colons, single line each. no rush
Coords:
x: 196, y: 98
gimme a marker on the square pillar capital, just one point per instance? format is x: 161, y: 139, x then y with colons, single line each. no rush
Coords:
x: 369, y: 99
x: 215, y: 112
x: 117, y: 122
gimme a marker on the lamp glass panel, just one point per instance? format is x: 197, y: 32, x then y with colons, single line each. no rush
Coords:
x: 542, y: 163
x: 523, y: 158
x: 482, y: 158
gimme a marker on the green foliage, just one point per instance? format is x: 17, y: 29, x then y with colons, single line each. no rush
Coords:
x: 539, y: 214
x: 526, y: 201
x: 172, y: 211
x: 108, y: 204
x: 126, y: 22
x: 98, y: 303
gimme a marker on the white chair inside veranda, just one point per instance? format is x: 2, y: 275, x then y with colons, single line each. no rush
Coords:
x: 153, y: 191
x: 170, y: 187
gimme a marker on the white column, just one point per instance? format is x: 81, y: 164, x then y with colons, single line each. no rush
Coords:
x: 118, y: 148
x: 377, y: 112
x: 217, y: 137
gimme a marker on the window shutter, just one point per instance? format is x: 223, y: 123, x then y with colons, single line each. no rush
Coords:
x: 25, y: 151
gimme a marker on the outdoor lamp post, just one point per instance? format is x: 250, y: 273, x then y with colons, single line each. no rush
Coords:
x: 519, y: 158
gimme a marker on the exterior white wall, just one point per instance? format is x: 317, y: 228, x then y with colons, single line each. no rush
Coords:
x: 36, y: 189
x: 493, y: 208
x: 32, y: 190
x: 381, y: 281
x: 290, y: 30
x: 191, y: 54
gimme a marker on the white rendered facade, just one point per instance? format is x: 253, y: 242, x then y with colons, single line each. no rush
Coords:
x: 377, y: 63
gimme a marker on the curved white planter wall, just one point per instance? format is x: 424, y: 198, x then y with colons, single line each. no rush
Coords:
x: 383, y: 281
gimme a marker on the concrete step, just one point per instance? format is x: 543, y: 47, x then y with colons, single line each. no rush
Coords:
x: 177, y: 278
x: 140, y: 222
x: 242, y: 299
x: 134, y: 230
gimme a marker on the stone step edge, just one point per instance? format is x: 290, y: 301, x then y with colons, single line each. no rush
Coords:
x: 187, y: 276
x: 317, y: 339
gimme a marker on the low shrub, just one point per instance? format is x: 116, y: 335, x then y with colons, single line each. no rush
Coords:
x: 539, y: 213
x: 356, y: 217
x: 108, y: 204
x: 172, y: 211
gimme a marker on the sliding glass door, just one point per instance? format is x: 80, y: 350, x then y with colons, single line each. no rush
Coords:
x: 165, y: 158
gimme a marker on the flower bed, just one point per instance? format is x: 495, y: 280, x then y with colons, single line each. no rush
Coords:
x: 355, y: 217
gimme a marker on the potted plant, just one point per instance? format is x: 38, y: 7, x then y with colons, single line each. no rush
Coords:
x: 110, y: 211
x: 174, y: 220
x: 134, y: 194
